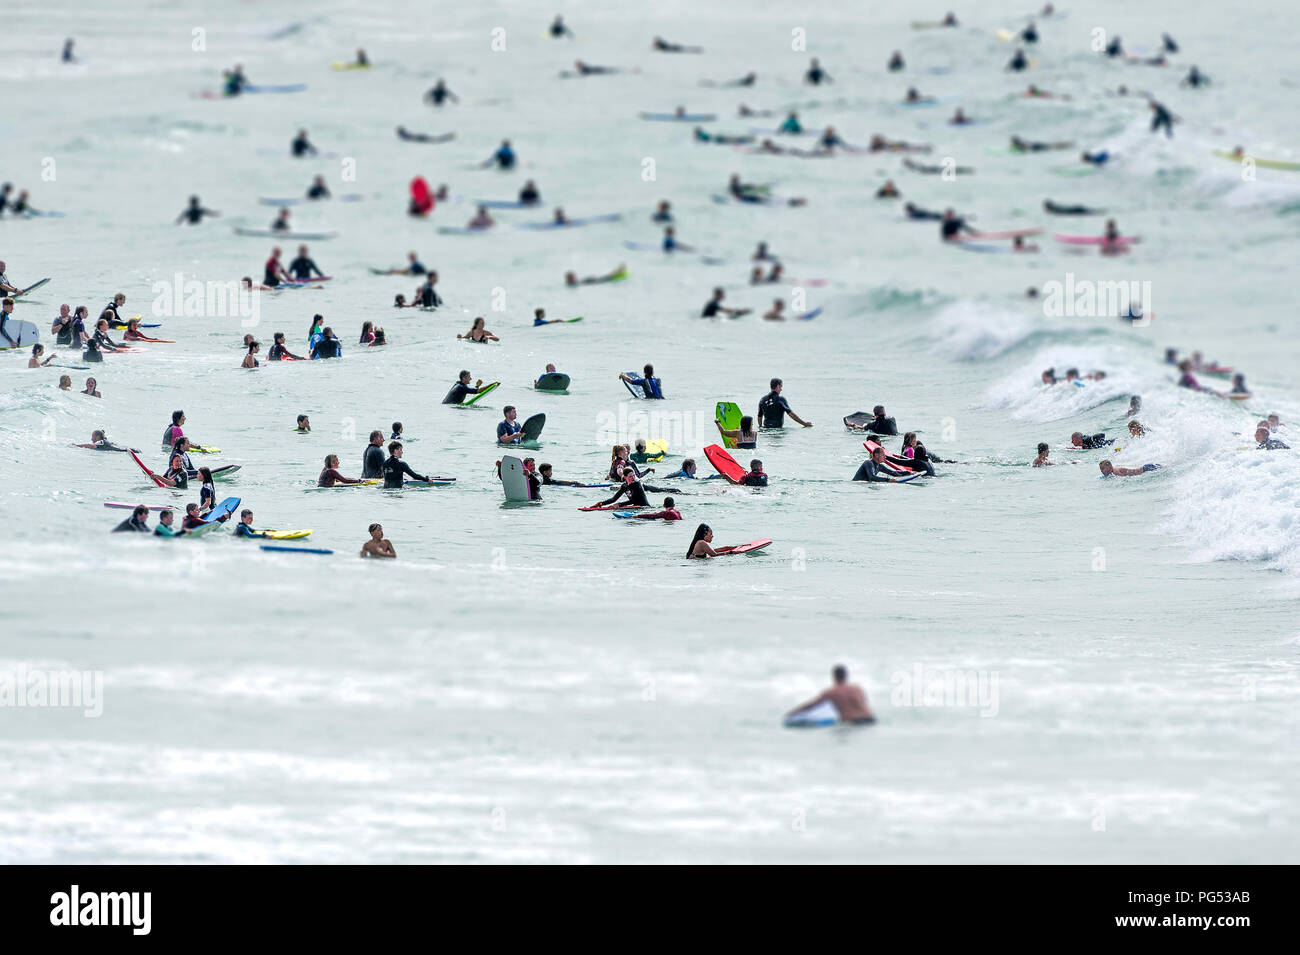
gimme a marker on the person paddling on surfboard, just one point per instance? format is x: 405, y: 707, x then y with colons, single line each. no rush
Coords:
x: 630, y: 487
x: 303, y: 266
x: 545, y: 472
x: 689, y: 470
x: 462, y: 389
x: 849, y: 700
x: 378, y: 545
x: 876, y: 469
x: 669, y: 513
x: 714, y: 307
x: 133, y: 333
x: 302, y: 146
x: 395, y: 468
x: 756, y: 476
x: 439, y: 94
x: 330, y: 476
x: 952, y: 224
x: 773, y: 408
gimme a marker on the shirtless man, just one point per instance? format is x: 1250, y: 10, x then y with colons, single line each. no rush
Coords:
x: 378, y: 545
x: 848, y: 699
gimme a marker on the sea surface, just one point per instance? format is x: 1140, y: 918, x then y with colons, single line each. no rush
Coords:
x: 1064, y: 669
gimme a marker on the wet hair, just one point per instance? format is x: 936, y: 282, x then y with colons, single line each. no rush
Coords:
x: 397, y: 427
x: 840, y: 673
x: 246, y: 512
x: 302, y: 418
x: 176, y: 416
x: 1042, y: 447
x: 774, y: 383
x: 699, y: 536
x: 393, y: 446
x: 329, y: 458
x: 372, y: 527
x: 376, y: 434
x: 141, y: 510
x: 544, y: 468
x: 668, y: 502
x: 205, y: 474
x: 690, y: 461
x: 878, y: 410
x: 507, y: 409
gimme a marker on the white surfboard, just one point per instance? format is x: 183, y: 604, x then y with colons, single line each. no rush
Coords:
x: 823, y: 714
x: 23, y: 333
x: 513, y: 479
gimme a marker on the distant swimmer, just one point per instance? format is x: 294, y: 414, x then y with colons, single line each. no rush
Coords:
x: 935, y: 170
x: 914, y: 211
x: 952, y: 225
x: 303, y: 266
x: 1018, y: 62
x: 509, y: 430
x: 1109, y: 470
x: 273, y: 272
x: 99, y: 442
x: 1018, y: 244
x: 330, y: 476
x: 133, y: 333
x: 281, y: 222
x: 439, y: 94
x: 1135, y: 429
x: 378, y: 545
x: 529, y: 195
x: 959, y: 118
x: 669, y: 512
x: 318, y: 189
x: 413, y: 267
x: 689, y: 470
x: 791, y: 126
x: 303, y: 424
x: 395, y: 468
x: 1265, y: 443
x: 876, y: 469
x: 773, y: 407
x: 663, y: 212
x: 895, y: 63
x: 1090, y: 442
x: 482, y: 220
x: 68, y: 56
x: 746, y: 191
x: 1239, y: 388
x: 233, y: 81
x: 914, y: 96
x: 478, y: 333
x: 558, y: 28
x: 1043, y: 452
x: 749, y: 79
x: 1115, y: 47
x: 590, y: 69
x: 879, y: 423
x: 704, y: 136
x: 571, y: 278
x: 36, y: 361
x: 660, y: 45
x: 849, y: 700
x: 888, y: 191
x: 776, y: 313
x: 547, y: 475
x: 194, y: 212
x: 1134, y: 405
x: 776, y: 275
x: 714, y: 307
x: 504, y: 158
x: 755, y: 477
x: 671, y: 244
x: 746, y: 436
x: 539, y: 318
x: 1060, y: 209
x: 426, y: 296
x: 1195, y: 79
x: 559, y: 218
x: 1161, y: 118
x: 830, y: 140
x: 651, y: 387
x: 406, y: 135
x: 279, y: 352
x: 302, y: 146
x: 1168, y: 44
x: 1098, y: 158
x: 138, y: 522
x: 816, y: 76
x: 1029, y: 146
x: 1030, y: 33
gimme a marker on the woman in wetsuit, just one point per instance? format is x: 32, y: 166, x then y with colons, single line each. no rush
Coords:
x: 279, y: 352
x: 631, y: 487
x: 101, y: 339
x: 746, y: 436
x: 207, y: 491
x: 700, y: 543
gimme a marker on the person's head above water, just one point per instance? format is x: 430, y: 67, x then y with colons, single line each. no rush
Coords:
x: 840, y: 674
x: 1043, y: 448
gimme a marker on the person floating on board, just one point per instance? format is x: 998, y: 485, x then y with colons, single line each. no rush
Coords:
x: 509, y: 430
x: 959, y: 118
x: 439, y: 94
x: 1043, y: 451
x: 302, y: 146
x: 539, y: 318
x: 669, y: 513
x: 876, y: 469
x: 302, y: 267
x: 888, y: 191
x: 318, y: 189
x: 913, y: 211
x: 776, y: 313
x: 952, y: 224
x: 660, y: 45
x: 571, y: 278
x: 647, y: 382
x: 1188, y: 380
x: 816, y: 76
x: 1265, y: 443
x: 689, y: 471
x: 1098, y: 158
x: 545, y: 471
x: 395, y: 467
x: 1060, y: 209
x: 504, y: 158
x: 879, y: 423
x: 746, y: 436
x: 671, y: 244
x: 330, y: 476
x: 462, y: 389
x: 372, y: 460
x: 192, y: 517
x: 99, y: 442
x: 630, y: 487
x: 1090, y: 442
x: 1161, y: 118
x: 281, y: 222
x: 137, y: 522
x: 378, y: 545
x: 849, y: 700
x: 165, y: 526
x: 413, y: 267
x: 714, y: 307
x: 663, y: 212
x: 1110, y: 470
x: 482, y: 220
x: 273, y: 272
x: 559, y: 28
x: 1195, y: 79
x: 194, y: 212
x: 245, y: 526
x: 478, y: 333
x: 773, y: 407
x: 1018, y: 62
x: 279, y: 352
x: 755, y: 477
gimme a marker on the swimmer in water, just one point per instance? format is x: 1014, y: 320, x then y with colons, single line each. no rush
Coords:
x: 1161, y: 118
x: 816, y: 76
x: 875, y: 469
x: 504, y: 158
x: 1043, y: 451
x: 482, y: 220
x: 303, y: 425
x: 571, y: 278
x: 1135, y: 428
x: 669, y: 513
x: 1110, y: 470
x: 439, y: 94
x: 378, y: 545
x: 746, y: 436
x: 194, y: 212
x: 776, y: 313
x: 302, y: 146
x: 330, y: 476
x: 849, y: 700
x: 478, y: 333
x: 539, y: 318
x: 35, y: 361
x: 1266, y: 443
x: 279, y: 352
x: 671, y: 244
x: 701, y: 543
x: 959, y: 118
x: 888, y: 191
x: 99, y: 442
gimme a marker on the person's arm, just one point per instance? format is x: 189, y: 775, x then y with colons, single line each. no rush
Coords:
x: 622, y: 489
x: 806, y: 424
x: 726, y: 433
x: 820, y: 697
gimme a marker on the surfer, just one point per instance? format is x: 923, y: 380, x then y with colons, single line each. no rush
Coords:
x: 1161, y: 117
x: 303, y: 266
x: 876, y: 469
x: 755, y: 477
x: 1090, y: 442
x: 281, y: 221
x: 509, y: 430
x: 504, y: 158
x: 559, y: 28
x: 462, y: 389
x: 395, y: 468
x: 1018, y: 62
x: 99, y: 442
x: 571, y: 278
x: 482, y: 220
x: 1187, y: 379
x: 133, y: 333
x: 279, y: 352
x: 192, y: 517
x: 688, y: 470
x: 895, y: 63
x: 1027, y: 146
x: 378, y: 545
x: 1043, y: 451
x: 165, y: 528
x: 37, y: 351
x: 952, y: 224
x: 641, y: 455
x: 303, y: 424
x: 914, y: 211
x: 545, y: 472
x: 647, y: 382
x: 1268, y: 444
x: 426, y: 296
x: 318, y: 189
x: 879, y: 423
x: 245, y: 526
x: 849, y: 700
x: 1135, y: 429
x: 630, y: 487
x: 413, y: 267
x: 6, y: 313
x: 940, y: 170
x: 1098, y: 158
x: 816, y: 76
x: 194, y: 212
x: 539, y: 318
x: 1195, y: 79
x: 273, y: 272
x: 1110, y: 470
x: 330, y: 475
x: 714, y: 307
x: 439, y: 94
x: 302, y: 146
x: 138, y: 521
x: 776, y: 313
x: 888, y: 191
x: 700, y: 543
x: 959, y: 118
x: 1060, y: 209
x: 478, y: 333
x: 773, y: 407
x: 101, y: 339
x: 589, y: 69
x: 669, y: 513
x: 372, y: 460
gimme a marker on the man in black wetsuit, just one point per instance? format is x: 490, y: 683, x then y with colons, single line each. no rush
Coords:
x: 631, y: 487
x: 714, y: 307
x: 1090, y: 442
x: 875, y: 469
x: 952, y: 224
x: 301, y: 145
x: 914, y: 211
x: 1057, y: 209
x: 395, y: 467
x: 1161, y: 117
x: 816, y: 76
x: 440, y: 94
x: 194, y: 212
x: 302, y: 267
x: 318, y: 189
x: 462, y: 389
x: 372, y: 461
x: 773, y: 408
x: 136, y: 522
x: 426, y: 296
x: 881, y: 424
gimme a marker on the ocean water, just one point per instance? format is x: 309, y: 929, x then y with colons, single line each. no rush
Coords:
x: 1063, y: 668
